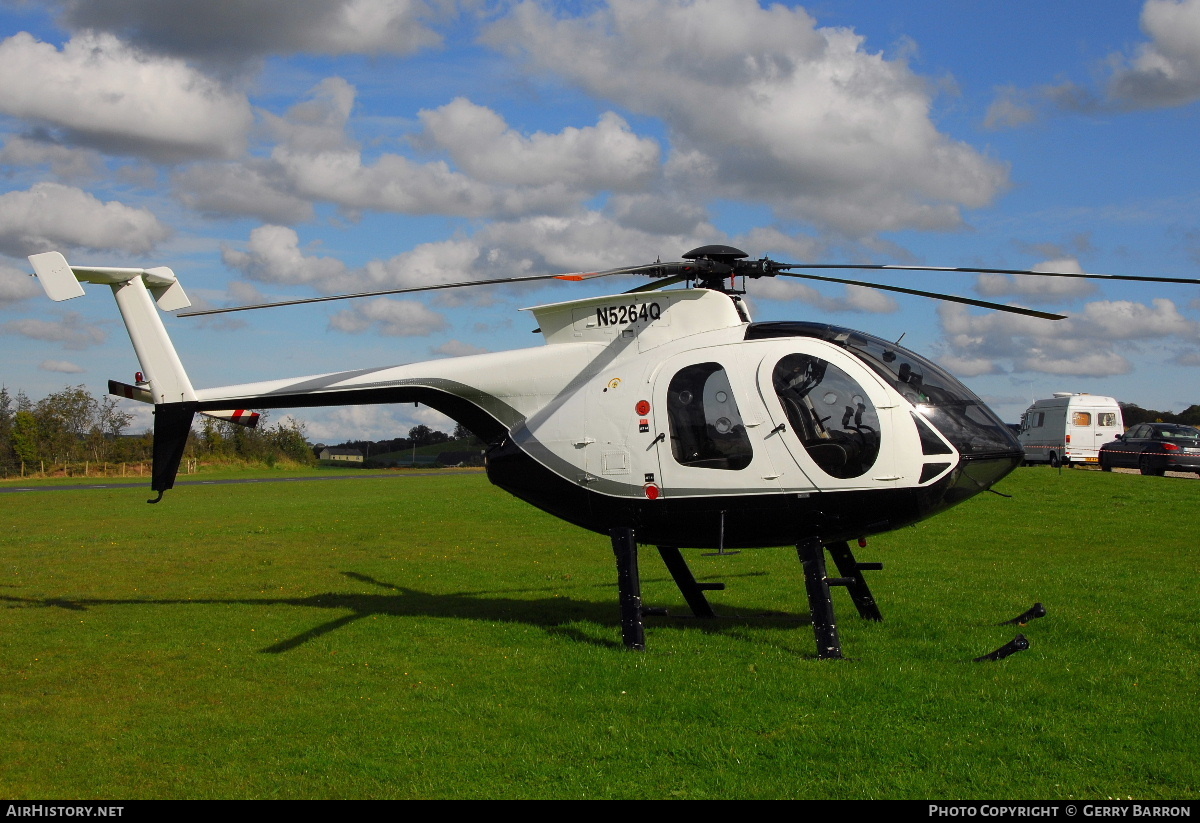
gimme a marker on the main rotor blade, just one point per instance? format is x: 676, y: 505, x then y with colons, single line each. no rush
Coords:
x: 572, y: 276
x: 660, y: 283
x: 935, y: 295
x: 969, y: 270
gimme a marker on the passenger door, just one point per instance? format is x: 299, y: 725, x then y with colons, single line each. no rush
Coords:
x: 831, y: 415
x: 709, y: 427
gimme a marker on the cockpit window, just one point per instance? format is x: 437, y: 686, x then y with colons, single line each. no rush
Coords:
x: 830, y: 413
x: 961, y: 417
x: 937, y: 396
x: 707, y: 431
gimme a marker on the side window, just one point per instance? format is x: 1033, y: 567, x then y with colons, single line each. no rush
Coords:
x: 1039, y: 419
x: 707, y: 431
x: 1137, y: 431
x: 830, y: 414
x: 1106, y: 419
x: 1081, y: 419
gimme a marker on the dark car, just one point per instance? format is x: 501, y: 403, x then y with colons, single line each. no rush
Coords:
x: 1154, y: 448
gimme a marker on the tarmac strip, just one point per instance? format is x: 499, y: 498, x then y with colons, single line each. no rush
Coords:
x: 145, y: 484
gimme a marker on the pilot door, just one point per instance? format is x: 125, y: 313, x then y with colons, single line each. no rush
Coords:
x: 709, y: 426
x: 830, y: 415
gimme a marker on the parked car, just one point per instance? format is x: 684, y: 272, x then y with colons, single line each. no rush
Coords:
x: 1154, y: 448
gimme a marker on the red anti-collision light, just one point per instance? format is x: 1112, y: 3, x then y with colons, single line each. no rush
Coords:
x: 652, y: 491
x: 642, y: 407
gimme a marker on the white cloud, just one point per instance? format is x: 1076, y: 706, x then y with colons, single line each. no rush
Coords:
x: 107, y: 95
x: 72, y: 331
x: 488, y: 169
x: 607, y: 156
x: 456, y: 348
x: 1091, y: 343
x: 968, y: 366
x: 656, y: 213
x: 318, y: 123
x: 274, y: 256
x: 61, y: 366
x: 392, y: 318
x: 396, y: 184
x: 763, y: 105
x: 1047, y: 288
x: 240, y: 190
x: 1012, y: 108
x: 318, y: 161
x: 51, y: 215
x: 1166, y: 70
x: 17, y: 285
x: 854, y: 298
x: 205, y: 30
x: 533, y: 245
x: 65, y: 162
x: 1126, y: 320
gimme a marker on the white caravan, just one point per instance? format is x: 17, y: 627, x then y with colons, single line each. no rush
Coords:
x: 1069, y: 428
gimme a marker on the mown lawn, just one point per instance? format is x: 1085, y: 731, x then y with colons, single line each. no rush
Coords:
x: 433, y: 637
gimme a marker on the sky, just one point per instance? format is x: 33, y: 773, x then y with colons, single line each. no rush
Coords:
x: 277, y: 149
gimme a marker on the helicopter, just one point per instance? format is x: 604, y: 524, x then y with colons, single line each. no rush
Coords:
x: 657, y: 416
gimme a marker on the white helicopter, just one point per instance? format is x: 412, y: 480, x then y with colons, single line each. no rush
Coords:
x: 658, y: 416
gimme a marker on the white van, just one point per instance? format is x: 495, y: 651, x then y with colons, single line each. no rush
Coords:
x: 1069, y: 428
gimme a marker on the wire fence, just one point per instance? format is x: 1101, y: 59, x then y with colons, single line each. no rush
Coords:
x: 86, y: 468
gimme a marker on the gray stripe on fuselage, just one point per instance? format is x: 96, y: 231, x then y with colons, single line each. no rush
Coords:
x: 326, y: 381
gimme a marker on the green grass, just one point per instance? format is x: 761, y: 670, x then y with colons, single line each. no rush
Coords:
x: 433, y: 637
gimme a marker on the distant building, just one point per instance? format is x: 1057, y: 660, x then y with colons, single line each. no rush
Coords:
x: 341, y: 455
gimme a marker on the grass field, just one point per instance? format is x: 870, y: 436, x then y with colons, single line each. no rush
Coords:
x: 433, y: 637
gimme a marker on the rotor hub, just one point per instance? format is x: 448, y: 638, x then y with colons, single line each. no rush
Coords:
x: 716, y: 253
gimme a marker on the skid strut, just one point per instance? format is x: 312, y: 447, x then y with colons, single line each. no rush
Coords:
x: 820, y: 603
x: 693, y: 591
x: 629, y: 584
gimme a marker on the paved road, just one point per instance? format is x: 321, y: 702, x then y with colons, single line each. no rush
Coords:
x: 1132, y: 471
x: 145, y: 484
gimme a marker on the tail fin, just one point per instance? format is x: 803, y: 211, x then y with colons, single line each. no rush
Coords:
x: 168, y: 382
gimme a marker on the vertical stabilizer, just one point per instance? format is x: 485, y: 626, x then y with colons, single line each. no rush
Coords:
x: 136, y: 291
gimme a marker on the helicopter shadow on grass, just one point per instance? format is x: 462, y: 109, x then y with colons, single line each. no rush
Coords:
x: 555, y: 615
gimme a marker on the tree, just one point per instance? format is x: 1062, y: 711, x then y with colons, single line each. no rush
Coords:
x: 288, y: 439
x: 25, y: 436
x: 6, y: 425
x: 461, y: 432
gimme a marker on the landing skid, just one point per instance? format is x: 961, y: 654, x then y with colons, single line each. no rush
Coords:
x: 820, y: 603
x: 817, y: 584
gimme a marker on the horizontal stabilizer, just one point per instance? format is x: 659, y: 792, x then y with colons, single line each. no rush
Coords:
x: 242, y: 417
x: 61, y: 280
x: 139, y: 393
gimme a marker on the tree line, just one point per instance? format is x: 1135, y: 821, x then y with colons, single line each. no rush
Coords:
x: 70, y: 428
x: 1133, y: 414
x: 462, y: 443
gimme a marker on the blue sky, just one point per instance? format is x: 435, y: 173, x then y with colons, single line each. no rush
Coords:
x: 271, y: 150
